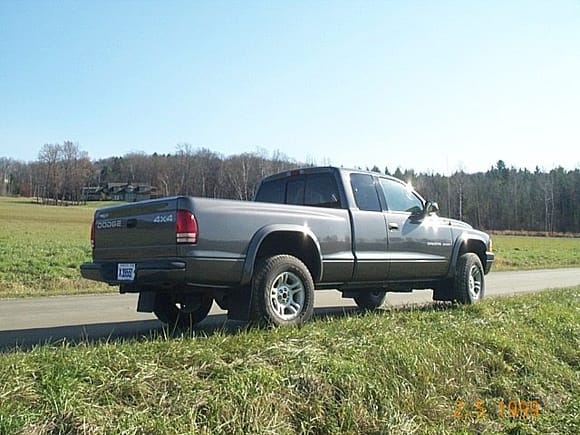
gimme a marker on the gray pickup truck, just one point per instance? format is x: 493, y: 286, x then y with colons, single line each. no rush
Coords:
x: 361, y: 233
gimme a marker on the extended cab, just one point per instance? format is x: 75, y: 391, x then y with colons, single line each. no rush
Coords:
x: 361, y: 233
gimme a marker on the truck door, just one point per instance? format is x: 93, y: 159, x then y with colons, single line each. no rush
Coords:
x: 419, y: 246
x: 369, y: 231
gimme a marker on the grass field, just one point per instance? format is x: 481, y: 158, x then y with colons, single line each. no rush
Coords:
x: 524, y: 252
x: 507, y: 365
x: 41, y: 248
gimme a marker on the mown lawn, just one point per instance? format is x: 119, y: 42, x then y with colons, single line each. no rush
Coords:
x: 507, y: 365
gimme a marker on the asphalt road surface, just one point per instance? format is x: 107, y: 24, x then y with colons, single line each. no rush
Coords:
x: 32, y: 321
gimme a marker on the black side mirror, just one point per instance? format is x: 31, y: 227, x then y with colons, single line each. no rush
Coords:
x: 431, y: 207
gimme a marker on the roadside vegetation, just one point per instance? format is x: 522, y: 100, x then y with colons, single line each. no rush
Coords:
x: 41, y: 248
x: 507, y: 365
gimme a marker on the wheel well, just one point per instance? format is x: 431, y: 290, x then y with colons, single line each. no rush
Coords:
x: 292, y: 243
x: 475, y: 246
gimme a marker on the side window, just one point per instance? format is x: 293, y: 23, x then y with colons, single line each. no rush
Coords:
x: 365, y: 193
x: 321, y: 191
x: 399, y: 197
x: 295, y: 192
x: 271, y: 191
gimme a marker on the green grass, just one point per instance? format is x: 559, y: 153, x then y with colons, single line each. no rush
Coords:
x: 41, y: 248
x: 398, y: 371
x: 524, y: 252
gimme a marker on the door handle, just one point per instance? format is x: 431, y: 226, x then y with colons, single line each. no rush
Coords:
x: 393, y: 227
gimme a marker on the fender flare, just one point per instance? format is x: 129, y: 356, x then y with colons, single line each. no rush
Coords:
x: 264, y: 232
x: 462, y: 240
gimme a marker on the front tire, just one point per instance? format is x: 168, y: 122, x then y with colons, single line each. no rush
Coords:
x: 370, y: 300
x: 182, y: 310
x: 469, y: 284
x: 282, y: 292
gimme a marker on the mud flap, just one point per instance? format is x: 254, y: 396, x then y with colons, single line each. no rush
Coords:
x: 146, y: 302
x: 443, y: 291
x: 239, y: 304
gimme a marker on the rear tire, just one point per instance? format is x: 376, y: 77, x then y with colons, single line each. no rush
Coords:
x: 182, y: 310
x: 282, y: 292
x: 370, y: 300
x: 469, y: 285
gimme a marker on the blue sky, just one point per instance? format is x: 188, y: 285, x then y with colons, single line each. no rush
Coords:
x: 429, y: 85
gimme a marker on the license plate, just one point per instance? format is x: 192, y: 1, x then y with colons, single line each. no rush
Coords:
x: 126, y: 271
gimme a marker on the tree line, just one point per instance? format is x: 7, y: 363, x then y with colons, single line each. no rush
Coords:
x: 502, y: 198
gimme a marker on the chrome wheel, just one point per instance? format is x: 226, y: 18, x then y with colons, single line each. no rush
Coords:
x: 282, y: 292
x: 287, y: 296
x: 475, y: 282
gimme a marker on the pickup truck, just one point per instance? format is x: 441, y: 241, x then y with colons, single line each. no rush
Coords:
x: 361, y: 233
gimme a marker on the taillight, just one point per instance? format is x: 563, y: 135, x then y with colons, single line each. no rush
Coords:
x: 93, y: 235
x: 185, y: 227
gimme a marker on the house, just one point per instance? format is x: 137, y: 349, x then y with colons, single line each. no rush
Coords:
x: 128, y: 192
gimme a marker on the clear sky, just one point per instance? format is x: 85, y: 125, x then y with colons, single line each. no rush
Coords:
x: 429, y: 85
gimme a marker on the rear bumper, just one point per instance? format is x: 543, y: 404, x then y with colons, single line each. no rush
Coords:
x: 490, y: 256
x: 147, y: 273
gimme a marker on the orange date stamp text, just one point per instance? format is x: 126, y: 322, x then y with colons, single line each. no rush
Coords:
x: 514, y: 409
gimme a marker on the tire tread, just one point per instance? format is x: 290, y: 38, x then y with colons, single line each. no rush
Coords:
x: 267, y: 267
x: 461, y: 283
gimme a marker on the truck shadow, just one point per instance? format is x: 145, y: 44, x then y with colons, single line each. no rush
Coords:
x: 27, y: 339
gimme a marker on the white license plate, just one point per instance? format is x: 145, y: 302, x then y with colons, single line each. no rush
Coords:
x: 126, y: 271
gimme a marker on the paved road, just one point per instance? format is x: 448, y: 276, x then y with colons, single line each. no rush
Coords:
x: 27, y: 322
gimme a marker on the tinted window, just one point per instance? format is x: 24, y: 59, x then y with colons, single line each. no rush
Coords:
x: 365, y: 193
x: 295, y: 192
x: 321, y: 191
x: 399, y: 197
x: 272, y: 191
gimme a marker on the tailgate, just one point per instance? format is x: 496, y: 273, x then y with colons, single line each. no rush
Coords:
x: 136, y: 231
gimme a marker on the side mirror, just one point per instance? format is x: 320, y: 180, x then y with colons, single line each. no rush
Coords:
x: 431, y: 207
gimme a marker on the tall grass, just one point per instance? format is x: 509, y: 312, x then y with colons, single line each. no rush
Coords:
x: 429, y: 370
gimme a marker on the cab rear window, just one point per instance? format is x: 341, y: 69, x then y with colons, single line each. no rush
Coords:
x: 271, y: 191
x: 316, y: 190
